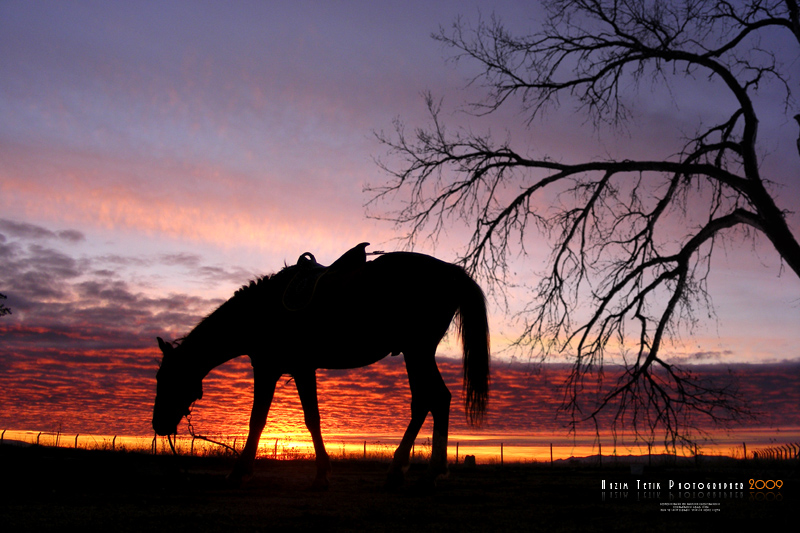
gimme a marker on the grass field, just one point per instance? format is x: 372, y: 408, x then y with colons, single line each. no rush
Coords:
x: 57, y: 489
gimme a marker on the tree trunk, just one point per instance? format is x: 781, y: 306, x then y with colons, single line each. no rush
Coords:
x: 776, y: 228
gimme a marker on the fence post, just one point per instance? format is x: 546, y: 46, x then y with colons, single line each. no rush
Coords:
x: 744, y: 446
x: 3, y: 436
x: 365, y: 449
x: 114, y: 443
x: 456, y: 451
x: 501, y: 454
x: 551, y: 454
x: 76, y: 441
x: 37, y: 438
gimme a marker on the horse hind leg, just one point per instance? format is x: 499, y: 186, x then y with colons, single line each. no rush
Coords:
x: 440, y: 410
x: 400, y: 461
x: 429, y: 394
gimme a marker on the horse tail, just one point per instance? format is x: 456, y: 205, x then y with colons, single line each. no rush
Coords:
x: 473, y: 327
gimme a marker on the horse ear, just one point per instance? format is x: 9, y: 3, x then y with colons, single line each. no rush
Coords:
x: 166, y: 348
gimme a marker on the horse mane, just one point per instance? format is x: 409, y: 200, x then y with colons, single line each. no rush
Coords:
x: 254, y: 285
x: 265, y: 282
x: 258, y: 288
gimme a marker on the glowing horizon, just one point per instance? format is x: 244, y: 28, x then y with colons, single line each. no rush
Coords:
x: 371, y: 401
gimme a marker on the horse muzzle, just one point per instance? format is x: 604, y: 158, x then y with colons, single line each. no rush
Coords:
x: 163, y: 428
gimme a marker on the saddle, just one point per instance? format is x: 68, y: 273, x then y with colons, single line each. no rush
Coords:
x: 304, y: 284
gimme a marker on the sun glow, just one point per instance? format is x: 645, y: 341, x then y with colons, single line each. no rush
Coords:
x: 489, y: 448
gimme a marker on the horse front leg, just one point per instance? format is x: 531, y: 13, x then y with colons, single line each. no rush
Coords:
x: 263, y: 392
x: 307, y: 389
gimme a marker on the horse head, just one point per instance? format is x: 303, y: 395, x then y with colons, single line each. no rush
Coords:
x: 176, y: 389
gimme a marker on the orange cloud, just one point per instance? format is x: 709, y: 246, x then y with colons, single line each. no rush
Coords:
x: 209, y: 217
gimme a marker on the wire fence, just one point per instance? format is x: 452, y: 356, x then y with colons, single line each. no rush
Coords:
x: 292, y: 448
x: 786, y: 452
x: 281, y: 448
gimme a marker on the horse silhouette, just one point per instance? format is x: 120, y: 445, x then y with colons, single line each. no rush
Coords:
x: 355, y: 313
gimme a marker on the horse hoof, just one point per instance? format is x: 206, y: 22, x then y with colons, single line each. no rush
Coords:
x: 426, y: 484
x: 394, y: 481
x: 319, y: 486
x: 233, y: 482
x: 235, y: 479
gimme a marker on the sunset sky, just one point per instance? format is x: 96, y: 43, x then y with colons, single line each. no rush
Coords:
x: 155, y: 156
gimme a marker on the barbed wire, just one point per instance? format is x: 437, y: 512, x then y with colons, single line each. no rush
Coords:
x: 203, y: 437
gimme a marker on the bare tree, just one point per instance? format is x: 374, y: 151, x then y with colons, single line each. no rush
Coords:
x: 3, y: 309
x: 613, y: 225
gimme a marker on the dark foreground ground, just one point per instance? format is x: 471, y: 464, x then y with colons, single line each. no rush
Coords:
x: 47, y: 489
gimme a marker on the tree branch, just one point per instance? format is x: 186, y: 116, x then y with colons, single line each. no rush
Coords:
x: 619, y: 275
